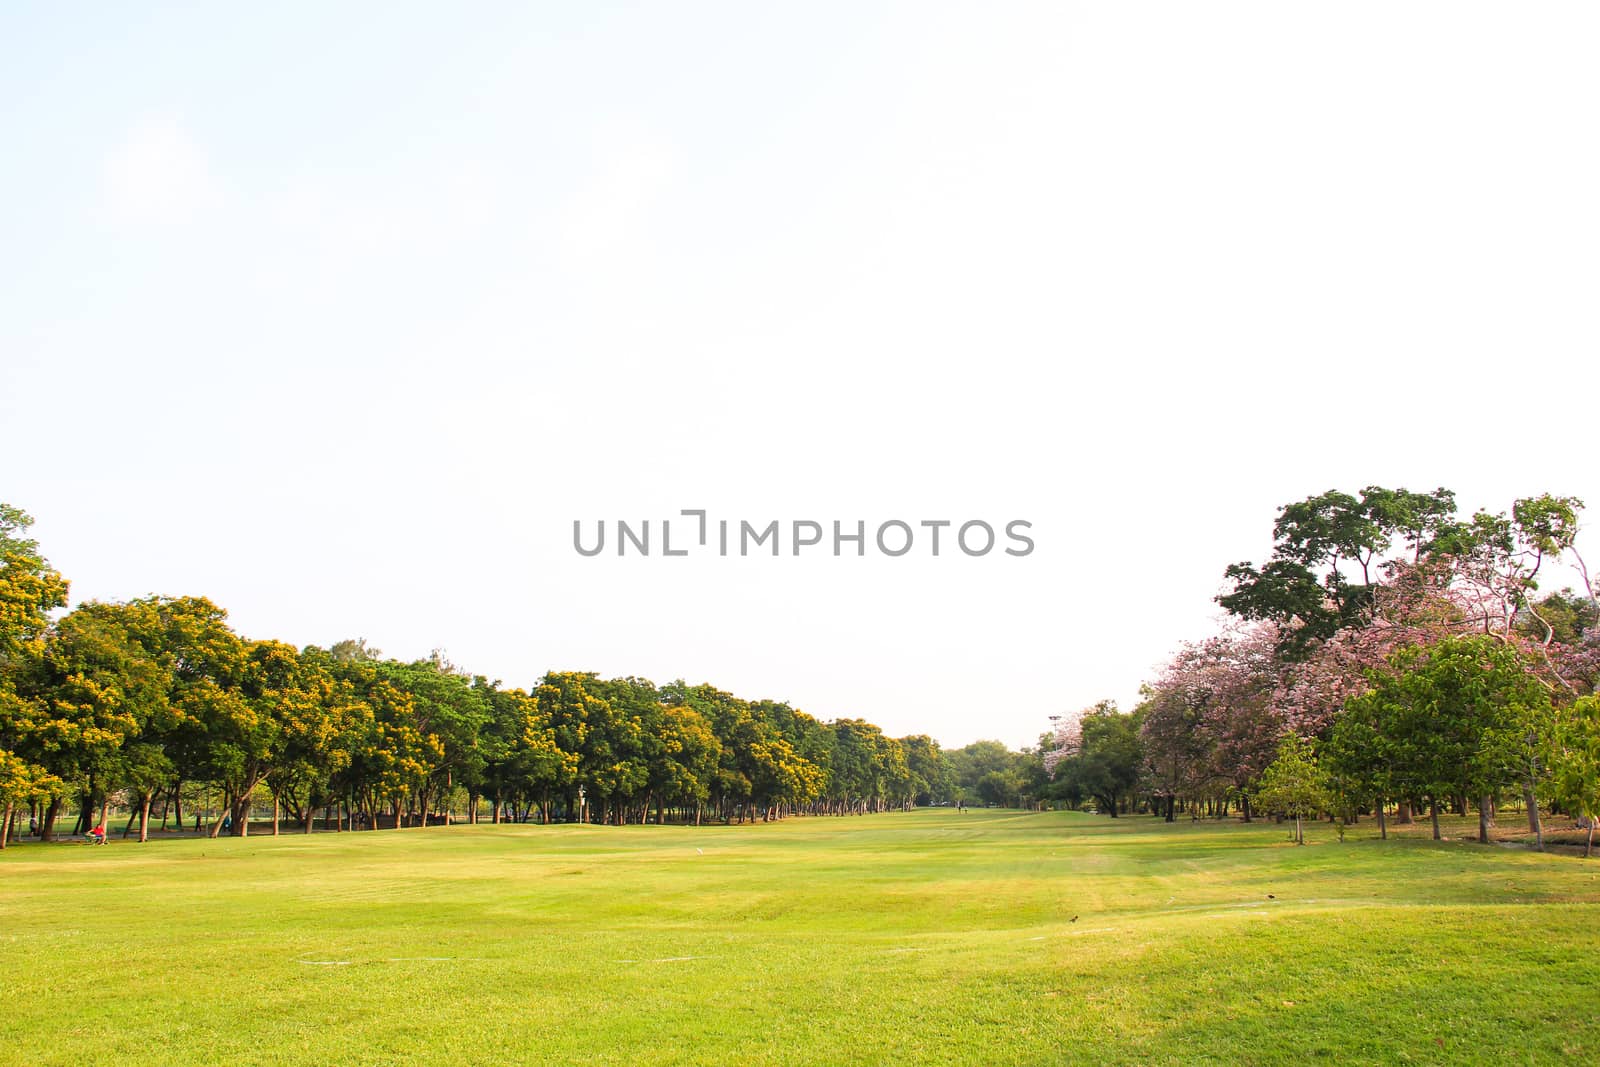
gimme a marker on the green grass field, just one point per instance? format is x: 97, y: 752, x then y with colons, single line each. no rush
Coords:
x: 928, y: 937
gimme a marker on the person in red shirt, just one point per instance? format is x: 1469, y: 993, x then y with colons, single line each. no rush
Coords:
x: 97, y: 836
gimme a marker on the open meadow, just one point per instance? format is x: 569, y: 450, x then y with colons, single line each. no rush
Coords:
x: 927, y: 937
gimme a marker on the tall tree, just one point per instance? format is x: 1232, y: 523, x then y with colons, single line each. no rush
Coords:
x: 1327, y: 560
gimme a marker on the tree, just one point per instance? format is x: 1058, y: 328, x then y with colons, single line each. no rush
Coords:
x: 249, y: 727
x: 88, y: 693
x: 1000, y: 789
x: 1293, y: 784
x: 447, y: 710
x: 971, y: 764
x: 318, y: 736
x: 203, y: 662
x: 687, y: 768
x: 521, y: 759
x: 1321, y: 546
x: 21, y: 783
x: 29, y: 590
x: 29, y: 587
x: 1176, y: 751
x: 1453, y: 719
x: 1097, y: 753
x: 1575, y: 780
x: 1210, y: 725
x: 1362, y: 761
x: 930, y: 778
x: 1497, y: 560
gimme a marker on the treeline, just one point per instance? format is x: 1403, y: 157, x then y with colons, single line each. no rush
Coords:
x: 157, y: 702
x: 1389, y: 655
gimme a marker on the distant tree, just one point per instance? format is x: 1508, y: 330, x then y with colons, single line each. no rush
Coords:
x: 1001, y: 789
x: 1177, y: 752
x: 448, y: 708
x: 521, y: 759
x: 1293, y: 784
x: 970, y: 764
x: 930, y: 776
x: 1097, y: 753
x: 687, y: 768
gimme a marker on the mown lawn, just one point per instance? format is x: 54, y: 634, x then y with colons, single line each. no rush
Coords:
x: 928, y: 937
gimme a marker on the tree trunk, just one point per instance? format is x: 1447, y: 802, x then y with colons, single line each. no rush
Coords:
x: 1484, y: 821
x: 1434, y: 807
x: 1244, y: 806
x: 275, y: 814
x: 5, y: 827
x: 1535, y: 824
x: 1402, y: 813
x: 47, y: 831
x: 1299, y: 833
x: 144, y: 818
x: 1383, y: 822
x: 1588, y: 843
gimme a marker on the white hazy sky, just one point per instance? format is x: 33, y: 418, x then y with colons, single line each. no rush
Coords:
x: 341, y: 314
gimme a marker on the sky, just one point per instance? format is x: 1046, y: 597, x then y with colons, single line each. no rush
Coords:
x: 341, y: 315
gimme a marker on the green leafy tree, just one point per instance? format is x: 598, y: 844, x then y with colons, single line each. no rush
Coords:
x: 930, y: 777
x: 1294, y: 785
x: 1100, y: 758
x: 1575, y: 778
x: 1451, y: 719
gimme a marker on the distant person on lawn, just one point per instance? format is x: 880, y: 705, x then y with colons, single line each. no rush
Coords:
x: 97, y: 836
